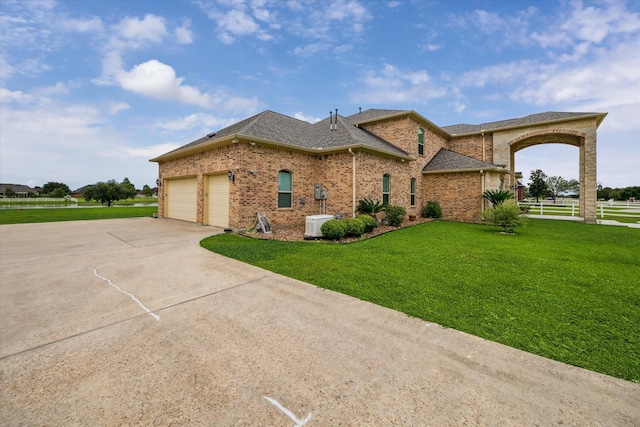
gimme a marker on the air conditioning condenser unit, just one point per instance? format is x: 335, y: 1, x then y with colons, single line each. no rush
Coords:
x: 313, y: 224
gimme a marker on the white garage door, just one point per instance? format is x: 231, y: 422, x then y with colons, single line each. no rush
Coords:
x: 218, y: 204
x: 181, y: 202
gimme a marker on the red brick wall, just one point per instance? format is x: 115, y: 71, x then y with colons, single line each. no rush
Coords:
x: 459, y: 194
x: 472, y: 146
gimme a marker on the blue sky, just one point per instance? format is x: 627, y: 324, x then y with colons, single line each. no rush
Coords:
x: 91, y: 90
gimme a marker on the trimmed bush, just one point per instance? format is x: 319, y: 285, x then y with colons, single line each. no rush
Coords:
x: 506, y: 215
x: 355, y: 227
x: 432, y: 210
x: 334, y: 229
x: 395, y: 215
x: 369, y: 222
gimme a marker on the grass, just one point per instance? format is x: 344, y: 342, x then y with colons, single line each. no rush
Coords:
x: 563, y: 290
x: 22, y: 216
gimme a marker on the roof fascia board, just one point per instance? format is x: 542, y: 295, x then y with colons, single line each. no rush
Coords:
x: 599, y: 116
x: 495, y: 168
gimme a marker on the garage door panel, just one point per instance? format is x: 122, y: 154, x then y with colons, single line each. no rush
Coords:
x: 218, y: 204
x: 182, y: 199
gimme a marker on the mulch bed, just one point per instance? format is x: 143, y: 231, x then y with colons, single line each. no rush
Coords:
x: 296, y: 233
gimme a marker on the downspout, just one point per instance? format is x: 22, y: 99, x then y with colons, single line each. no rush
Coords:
x: 353, y: 184
x: 484, y: 156
x: 482, y: 186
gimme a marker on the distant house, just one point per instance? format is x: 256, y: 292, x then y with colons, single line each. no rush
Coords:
x: 79, y: 192
x: 289, y: 169
x: 19, y: 190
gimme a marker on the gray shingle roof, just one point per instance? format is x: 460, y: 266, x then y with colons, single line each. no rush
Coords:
x: 17, y: 188
x: 282, y: 129
x: 373, y: 114
x: 446, y: 160
x: 462, y: 129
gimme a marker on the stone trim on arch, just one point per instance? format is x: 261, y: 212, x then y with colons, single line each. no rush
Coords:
x: 563, y: 136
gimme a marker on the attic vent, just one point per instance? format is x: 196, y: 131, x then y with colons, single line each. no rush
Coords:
x: 211, y: 135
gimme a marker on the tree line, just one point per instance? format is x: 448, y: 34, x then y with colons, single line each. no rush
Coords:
x: 102, y: 192
x: 553, y: 186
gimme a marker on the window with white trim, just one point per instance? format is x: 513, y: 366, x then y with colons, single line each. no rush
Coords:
x: 386, y: 189
x: 285, y: 186
x: 413, y: 191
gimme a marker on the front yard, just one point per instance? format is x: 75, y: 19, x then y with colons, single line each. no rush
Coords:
x: 564, y: 290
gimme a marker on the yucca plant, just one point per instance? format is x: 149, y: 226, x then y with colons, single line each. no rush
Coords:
x: 497, y: 197
x: 369, y: 206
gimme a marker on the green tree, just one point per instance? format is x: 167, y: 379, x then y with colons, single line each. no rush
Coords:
x: 128, y: 189
x: 628, y: 192
x: 147, y: 191
x: 573, y: 187
x: 108, y: 192
x: 8, y: 192
x: 556, y: 186
x: 538, y: 186
x: 55, y: 189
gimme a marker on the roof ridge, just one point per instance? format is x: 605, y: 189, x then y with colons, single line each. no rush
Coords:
x: 256, y: 118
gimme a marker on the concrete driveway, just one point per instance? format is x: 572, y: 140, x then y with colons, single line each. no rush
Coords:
x: 130, y: 322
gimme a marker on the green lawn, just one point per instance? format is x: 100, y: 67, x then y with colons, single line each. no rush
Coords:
x: 564, y: 290
x: 21, y: 216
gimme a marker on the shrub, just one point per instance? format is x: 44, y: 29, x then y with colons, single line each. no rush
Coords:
x: 506, y: 215
x: 369, y: 222
x: 394, y: 214
x: 432, y: 210
x: 355, y: 227
x: 334, y: 229
x: 368, y: 206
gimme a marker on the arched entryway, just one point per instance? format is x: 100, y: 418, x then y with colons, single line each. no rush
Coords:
x: 581, y: 134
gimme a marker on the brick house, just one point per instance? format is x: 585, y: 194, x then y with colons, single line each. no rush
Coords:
x: 273, y: 163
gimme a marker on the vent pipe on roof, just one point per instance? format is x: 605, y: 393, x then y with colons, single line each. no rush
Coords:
x: 335, y: 127
x: 331, y: 120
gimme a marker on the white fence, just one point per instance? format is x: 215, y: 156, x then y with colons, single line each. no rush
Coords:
x: 604, y: 209
x: 37, y: 200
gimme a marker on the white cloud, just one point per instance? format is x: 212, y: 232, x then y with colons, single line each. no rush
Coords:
x: 610, y: 77
x: 183, y: 33
x: 151, y: 28
x: 157, y: 80
x: 197, y: 120
x: 309, y: 49
x: 592, y: 24
x: 116, y: 107
x: 82, y: 25
x: 393, y: 85
x: 58, y: 88
x: 152, y: 151
x: 235, y: 23
x: 331, y: 21
x: 7, y: 96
